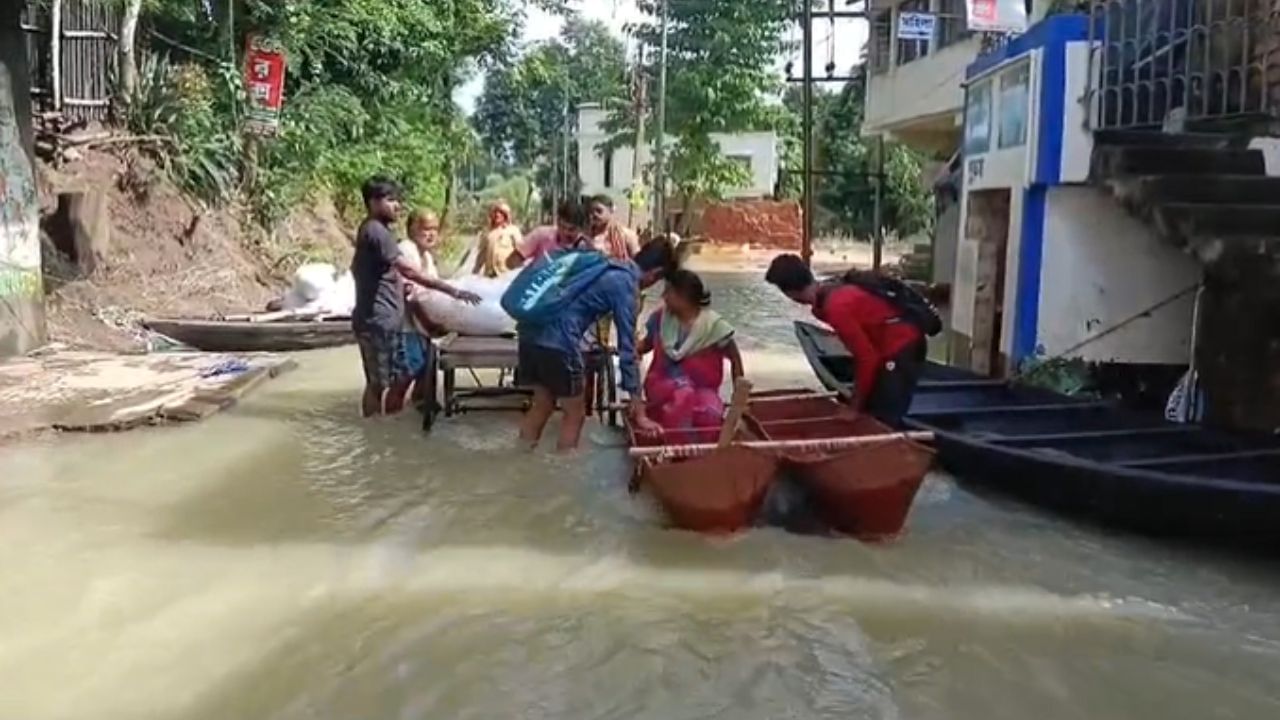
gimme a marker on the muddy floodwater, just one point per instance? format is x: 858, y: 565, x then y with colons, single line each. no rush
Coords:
x: 286, y: 560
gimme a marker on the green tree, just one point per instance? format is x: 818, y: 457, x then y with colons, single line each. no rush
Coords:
x: 521, y: 114
x: 721, y: 63
x: 845, y: 191
x: 369, y: 87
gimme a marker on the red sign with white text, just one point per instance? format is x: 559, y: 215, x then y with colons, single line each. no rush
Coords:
x: 264, y: 79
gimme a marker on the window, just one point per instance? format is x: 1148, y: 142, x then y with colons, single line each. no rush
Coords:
x: 909, y: 50
x: 953, y: 22
x: 608, y: 169
x: 1013, y: 106
x: 977, y: 119
x: 878, y: 46
x: 744, y: 162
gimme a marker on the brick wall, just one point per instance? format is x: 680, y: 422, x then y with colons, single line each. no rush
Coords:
x: 763, y: 223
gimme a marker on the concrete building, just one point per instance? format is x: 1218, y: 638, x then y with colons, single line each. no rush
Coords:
x: 1046, y: 261
x: 915, y: 92
x: 915, y: 88
x: 611, y: 173
x: 22, y: 325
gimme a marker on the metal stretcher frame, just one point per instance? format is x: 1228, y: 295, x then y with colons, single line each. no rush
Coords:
x: 470, y: 353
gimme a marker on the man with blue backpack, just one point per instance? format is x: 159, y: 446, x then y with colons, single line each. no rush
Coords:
x: 554, y: 301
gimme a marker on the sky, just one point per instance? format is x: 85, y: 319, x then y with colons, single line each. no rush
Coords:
x: 849, y: 37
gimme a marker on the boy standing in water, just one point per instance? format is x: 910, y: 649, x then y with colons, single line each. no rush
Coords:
x: 379, y: 271
x: 888, y: 350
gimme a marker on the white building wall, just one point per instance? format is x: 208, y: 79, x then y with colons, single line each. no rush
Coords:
x: 997, y: 168
x: 1100, y: 267
x: 759, y: 149
x: 1077, y: 141
x: 928, y: 87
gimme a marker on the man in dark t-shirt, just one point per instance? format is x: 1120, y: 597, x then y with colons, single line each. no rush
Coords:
x: 379, y: 273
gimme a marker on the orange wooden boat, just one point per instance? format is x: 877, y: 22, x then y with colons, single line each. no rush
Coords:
x: 865, y: 492
x: 721, y: 492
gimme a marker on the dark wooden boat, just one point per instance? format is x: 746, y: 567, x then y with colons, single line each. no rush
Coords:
x: 1086, y: 458
x: 717, y: 493
x: 865, y: 492
x: 255, y: 336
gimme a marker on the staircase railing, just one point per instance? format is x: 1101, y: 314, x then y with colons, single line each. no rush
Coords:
x: 1159, y: 62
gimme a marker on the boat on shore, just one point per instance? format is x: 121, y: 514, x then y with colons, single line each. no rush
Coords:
x: 268, y: 332
x: 1086, y: 458
x: 860, y: 490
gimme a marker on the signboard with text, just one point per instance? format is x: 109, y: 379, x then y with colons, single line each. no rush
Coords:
x: 997, y: 15
x: 264, y: 80
x: 916, y: 26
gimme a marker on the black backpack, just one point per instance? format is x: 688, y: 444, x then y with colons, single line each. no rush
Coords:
x: 915, y: 308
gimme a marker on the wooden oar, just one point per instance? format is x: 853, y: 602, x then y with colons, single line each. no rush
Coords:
x: 823, y: 445
x: 737, y: 407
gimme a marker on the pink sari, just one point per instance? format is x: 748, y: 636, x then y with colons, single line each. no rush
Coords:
x: 684, y: 396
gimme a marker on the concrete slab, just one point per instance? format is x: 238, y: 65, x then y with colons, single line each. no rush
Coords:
x: 101, y: 392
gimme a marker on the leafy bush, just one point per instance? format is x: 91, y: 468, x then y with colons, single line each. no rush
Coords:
x: 194, y: 120
x: 1061, y: 375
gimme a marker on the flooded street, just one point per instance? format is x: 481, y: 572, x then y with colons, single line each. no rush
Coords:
x: 286, y: 560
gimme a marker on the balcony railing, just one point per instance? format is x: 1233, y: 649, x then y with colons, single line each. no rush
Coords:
x: 1158, y: 62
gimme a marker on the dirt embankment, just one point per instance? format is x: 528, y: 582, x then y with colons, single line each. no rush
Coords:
x: 165, y: 255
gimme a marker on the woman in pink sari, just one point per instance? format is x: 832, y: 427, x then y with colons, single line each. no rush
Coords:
x: 691, y: 344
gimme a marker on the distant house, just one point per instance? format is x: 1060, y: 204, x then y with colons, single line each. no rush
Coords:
x: 612, y: 173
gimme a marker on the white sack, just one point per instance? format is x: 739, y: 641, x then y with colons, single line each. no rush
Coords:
x: 487, y: 318
x: 318, y: 288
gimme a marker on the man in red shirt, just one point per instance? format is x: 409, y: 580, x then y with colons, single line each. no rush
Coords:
x: 888, y: 350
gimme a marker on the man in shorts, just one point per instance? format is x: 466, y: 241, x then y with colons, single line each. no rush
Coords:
x: 551, y: 358
x: 379, y: 271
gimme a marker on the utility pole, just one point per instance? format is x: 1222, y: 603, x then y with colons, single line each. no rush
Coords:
x: 640, y: 88
x: 807, y: 242
x: 877, y: 242
x: 660, y: 149
x: 564, y: 152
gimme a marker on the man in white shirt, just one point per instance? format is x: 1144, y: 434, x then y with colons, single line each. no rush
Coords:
x: 418, y: 249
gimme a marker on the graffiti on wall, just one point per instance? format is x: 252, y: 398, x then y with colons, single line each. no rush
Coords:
x: 19, y: 209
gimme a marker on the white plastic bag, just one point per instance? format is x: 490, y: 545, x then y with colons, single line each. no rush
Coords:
x: 487, y: 318
x: 1186, y: 402
x: 311, y: 282
x: 341, y: 298
x: 318, y: 288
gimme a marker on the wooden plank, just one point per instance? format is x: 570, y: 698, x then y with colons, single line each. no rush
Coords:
x: 1008, y: 409
x: 755, y: 399
x: 961, y: 384
x: 1203, y: 457
x: 88, y: 34
x: 455, y: 361
x: 55, y: 53
x: 1096, y: 435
